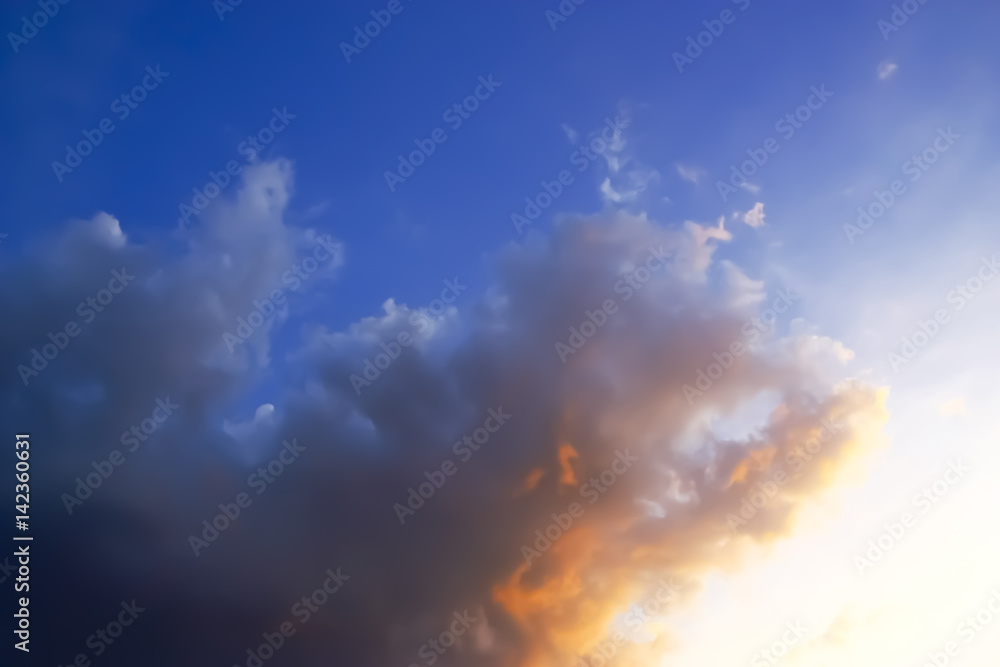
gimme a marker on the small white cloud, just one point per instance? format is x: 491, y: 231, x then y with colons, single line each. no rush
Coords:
x: 627, y: 177
x: 609, y: 193
x: 107, y: 228
x: 702, y: 234
x: 750, y: 187
x: 886, y: 69
x: 690, y: 174
x: 755, y: 216
x: 628, y: 186
x: 818, y: 351
x: 697, y: 256
x: 571, y: 134
x: 953, y: 408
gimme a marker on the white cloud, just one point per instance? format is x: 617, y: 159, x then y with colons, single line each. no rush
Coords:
x: 696, y: 254
x: 886, y: 69
x: 571, y: 134
x: 623, y: 184
x: 629, y: 186
x: 609, y: 192
x: 755, y: 216
x: 742, y: 290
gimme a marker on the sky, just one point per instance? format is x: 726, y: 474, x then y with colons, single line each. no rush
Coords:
x: 519, y: 335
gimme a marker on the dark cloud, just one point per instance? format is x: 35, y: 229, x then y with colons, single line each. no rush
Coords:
x: 333, y: 507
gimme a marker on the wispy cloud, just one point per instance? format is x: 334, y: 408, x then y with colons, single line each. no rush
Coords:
x: 690, y: 174
x: 572, y: 135
x: 886, y: 69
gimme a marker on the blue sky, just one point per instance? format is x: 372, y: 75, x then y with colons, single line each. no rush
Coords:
x: 902, y: 120
x: 353, y: 119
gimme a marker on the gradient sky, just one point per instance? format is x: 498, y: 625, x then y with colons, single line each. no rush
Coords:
x: 917, y: 105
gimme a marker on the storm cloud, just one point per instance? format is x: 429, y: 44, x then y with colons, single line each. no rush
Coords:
x: 586, y: 338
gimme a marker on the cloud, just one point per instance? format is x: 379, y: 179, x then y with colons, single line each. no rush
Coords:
x: 886, y: 69
x: 620, y: 390
x: 628, y: 188
x: 255, y: 434
x: 698, y: 252
x: 690, y: 174
x: 755, y: 216
x: 627, y: 178
x: 743, y: 290
x: 571, y: 135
